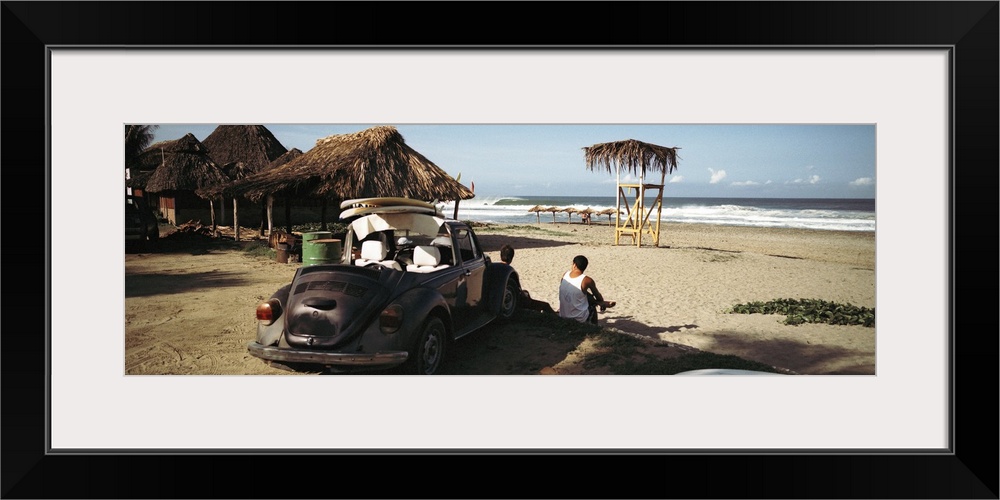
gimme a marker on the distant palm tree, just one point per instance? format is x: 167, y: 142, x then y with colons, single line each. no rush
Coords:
x: 137, y: 139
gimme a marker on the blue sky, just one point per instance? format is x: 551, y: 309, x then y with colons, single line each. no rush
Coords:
x: 753, y: 161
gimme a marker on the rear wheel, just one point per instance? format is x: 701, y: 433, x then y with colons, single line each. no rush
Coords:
x: 511, y: 291
x: 429, y: 352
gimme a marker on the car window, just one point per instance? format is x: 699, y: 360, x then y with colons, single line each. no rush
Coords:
x: 466, y: 246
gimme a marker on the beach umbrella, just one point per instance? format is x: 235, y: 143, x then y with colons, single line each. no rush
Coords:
x: 375, y: 162
x: 570, y: 211
x: 588, y: 211
x: 553, y: 210
x: 537, y: 209
x: 609, y: 212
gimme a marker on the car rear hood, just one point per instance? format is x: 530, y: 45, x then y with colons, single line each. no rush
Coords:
x: 329, y: 305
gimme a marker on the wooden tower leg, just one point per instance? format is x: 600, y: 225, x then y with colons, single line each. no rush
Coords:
x: 641, y: 213
x: 659, y: 211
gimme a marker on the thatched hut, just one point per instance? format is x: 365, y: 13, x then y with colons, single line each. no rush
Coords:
x: 181, y: 167
x: 375, y: 162
x: 241, y: 151
x: 253, y: 145
x: 639, y: 159
x: 286, y: 157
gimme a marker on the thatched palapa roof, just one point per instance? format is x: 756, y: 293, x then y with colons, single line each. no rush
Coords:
x: 137, y: 179
x: 288, y: 156
x: 237, y: 172
x: 632, y: 156
x: 252, y: 145
x: 372, y: 163
x: 180, y: 165
x: 537, y: 209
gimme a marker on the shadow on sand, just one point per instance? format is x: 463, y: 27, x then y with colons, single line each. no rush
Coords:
x: 493, y: 242
x: 797, y: 356
x: 146, y: 285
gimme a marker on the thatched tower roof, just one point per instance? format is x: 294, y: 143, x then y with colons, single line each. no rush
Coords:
x: 181, y: 165
x: 632, y: 156
x: 252, y: 145
x: 371, y: 163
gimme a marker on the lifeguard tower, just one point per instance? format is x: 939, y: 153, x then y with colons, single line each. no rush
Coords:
x: 642, y: 160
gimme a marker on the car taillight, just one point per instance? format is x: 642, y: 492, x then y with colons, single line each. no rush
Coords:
x: 268, y: 311
x: 391, y: 319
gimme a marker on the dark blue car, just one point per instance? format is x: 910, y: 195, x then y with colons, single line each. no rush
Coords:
x: 406, y: 286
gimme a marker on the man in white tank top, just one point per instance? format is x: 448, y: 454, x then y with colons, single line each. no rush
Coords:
x: 578, y: 295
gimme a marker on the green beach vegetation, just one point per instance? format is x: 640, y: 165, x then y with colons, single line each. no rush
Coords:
x: 810, y: 311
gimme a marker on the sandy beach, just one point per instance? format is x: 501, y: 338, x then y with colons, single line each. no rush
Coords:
x: 189, y: 307
x: 679, y: 292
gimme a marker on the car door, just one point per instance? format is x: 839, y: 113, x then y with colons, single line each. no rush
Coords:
x: 473, y: 265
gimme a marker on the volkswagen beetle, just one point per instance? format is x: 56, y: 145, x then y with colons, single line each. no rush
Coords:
x: 406, y: 286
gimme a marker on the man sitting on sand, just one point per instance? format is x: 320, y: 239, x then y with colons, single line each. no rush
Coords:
x: 578, y: 295
x: 524, y: 301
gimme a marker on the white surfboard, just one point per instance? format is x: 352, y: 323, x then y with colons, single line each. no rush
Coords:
x: 363, y: 210
x: 385, y: 201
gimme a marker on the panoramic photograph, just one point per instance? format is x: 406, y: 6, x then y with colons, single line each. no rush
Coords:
x: 479, y: 249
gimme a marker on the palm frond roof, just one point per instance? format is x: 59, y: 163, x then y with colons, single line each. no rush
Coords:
x: 375, y: 162
x: 253, y: 145
x: 632, y: 156
x: 180, y: 165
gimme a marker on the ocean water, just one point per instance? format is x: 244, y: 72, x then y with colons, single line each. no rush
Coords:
x: 803, y: 213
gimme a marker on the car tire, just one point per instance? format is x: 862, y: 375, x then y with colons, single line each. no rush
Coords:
x: 508, y: 302
x: 428, y: 353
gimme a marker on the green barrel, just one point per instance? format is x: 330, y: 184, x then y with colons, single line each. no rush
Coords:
x: 318, y: 248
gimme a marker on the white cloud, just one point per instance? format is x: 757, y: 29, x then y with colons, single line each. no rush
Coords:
x: 676, y: 178
x: 768, y: 182
x: 863, y: 181
x: 626, y: 179
x: 717, y: 176
x: 745, y: 183
x: 811, y: 180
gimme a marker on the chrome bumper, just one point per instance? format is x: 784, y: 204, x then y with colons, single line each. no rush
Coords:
x: 377, y: 359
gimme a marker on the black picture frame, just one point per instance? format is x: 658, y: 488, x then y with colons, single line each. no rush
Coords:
x: 969, y: 28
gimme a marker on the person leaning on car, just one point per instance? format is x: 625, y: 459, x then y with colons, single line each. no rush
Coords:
x: 524, y: 301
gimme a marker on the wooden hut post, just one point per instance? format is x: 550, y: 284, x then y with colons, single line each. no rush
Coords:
x: 270, y: 214
x: 263, y: 216
x: 211, y: 208
x: 236, y: 218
